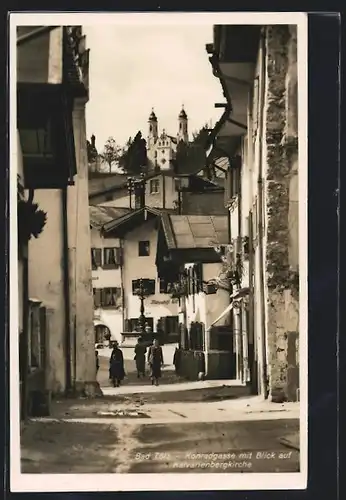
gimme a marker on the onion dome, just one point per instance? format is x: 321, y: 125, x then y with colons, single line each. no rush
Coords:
x: 152, y: 117
x: 182, y: 114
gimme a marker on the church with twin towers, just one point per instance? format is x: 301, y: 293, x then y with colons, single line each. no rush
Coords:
x: 162, y: 147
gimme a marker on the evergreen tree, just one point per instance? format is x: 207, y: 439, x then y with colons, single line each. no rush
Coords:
x: 134, y: 158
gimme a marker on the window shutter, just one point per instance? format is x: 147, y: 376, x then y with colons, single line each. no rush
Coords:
x: 98, y: 257
x: 102, y: 297
x: 97, y: 298
x: 117, y: 256
x: 93, y: 260
x: 127, y: 325
x: 194, y: 279
x: 228, y: 192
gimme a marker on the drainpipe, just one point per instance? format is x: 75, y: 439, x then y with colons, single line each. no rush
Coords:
x: 264, y: 374
x: 122, y: 282
x: 163, y: 192
x: 66, y: 270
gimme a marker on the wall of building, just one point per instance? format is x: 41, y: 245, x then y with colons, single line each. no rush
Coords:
x: 167, y: 195
x: 45, y: 256
x: 158, y: 305
x: 281, y: 228
x: 104, y: 278
x: 79, y: 254
x: 206, y: 308
x: 46, y: 276
x: 165, y: 198
x: 211, y: 203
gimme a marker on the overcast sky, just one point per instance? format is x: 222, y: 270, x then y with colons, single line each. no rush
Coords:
x: 134, y: 68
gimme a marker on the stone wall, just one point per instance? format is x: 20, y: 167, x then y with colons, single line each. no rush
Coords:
x: 281, y: 227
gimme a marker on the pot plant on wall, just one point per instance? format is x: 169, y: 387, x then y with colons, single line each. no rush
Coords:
x: 31, y: 219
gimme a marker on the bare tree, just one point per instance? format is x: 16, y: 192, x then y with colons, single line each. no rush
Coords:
x: 111, y: 153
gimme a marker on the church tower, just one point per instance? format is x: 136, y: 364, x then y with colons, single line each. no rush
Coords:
x: 153, y: 132
x: 183, y: 131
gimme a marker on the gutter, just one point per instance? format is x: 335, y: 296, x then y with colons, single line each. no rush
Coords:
x: 66, y: 271
x: 214, y: 61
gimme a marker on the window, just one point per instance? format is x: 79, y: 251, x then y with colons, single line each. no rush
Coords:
x: 96, y: 259
x: 148, y: 287
x: 154, y: 186
x: 106, y: 297
x: 143, y: 248
x: 166, y: 286
x: 131, y: 324
x: 111, y: 258
x: 109, y: 297
x: 170, y: 324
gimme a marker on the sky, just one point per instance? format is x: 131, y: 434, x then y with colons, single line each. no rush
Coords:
x: 134, y: 68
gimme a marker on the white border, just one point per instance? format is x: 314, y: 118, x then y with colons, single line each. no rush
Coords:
x: 160, y: 482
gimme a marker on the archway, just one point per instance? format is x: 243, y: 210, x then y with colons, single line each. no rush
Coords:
x: 102, y: 333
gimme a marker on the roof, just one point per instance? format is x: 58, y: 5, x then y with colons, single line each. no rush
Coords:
x: 152, y: 116
x: 173, y: 139
x: 102, y: 214
x: 130, y: 220
x: 183, y: 114
x: 194, y: 231
x: 222, y: 162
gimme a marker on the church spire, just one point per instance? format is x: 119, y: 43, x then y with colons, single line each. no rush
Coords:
x: 153, y: 127
x: 183, y: 134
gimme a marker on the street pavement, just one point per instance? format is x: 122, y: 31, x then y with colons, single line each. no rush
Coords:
x: 144, y: 432
x: 179, y: 426
x: 131, y: 379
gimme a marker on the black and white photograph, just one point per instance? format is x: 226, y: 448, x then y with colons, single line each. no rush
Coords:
x: 158, y: 261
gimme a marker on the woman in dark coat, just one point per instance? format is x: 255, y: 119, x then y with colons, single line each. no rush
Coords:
x: 140, y: 351
x: 177, y: 359
x: 155, y: 361
x: 116, y: 366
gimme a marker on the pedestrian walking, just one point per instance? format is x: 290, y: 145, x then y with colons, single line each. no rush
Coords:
x: 116, y: 366
x: 140, y: 352
x: 155, y: 361
x: 97, y: 361
x: 177, y: 359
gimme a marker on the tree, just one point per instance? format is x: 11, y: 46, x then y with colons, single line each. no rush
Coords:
x: 134, y: 156
x: 192, y: 154
x: 111, y: 153
x: 201, y: 136
x: 91, y: 150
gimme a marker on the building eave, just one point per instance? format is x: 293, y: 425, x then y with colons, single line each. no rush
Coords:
x: 119, y: 227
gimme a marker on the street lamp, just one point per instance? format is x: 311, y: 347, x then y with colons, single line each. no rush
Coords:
x: 137, y: 186
x: 141, y: 294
